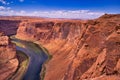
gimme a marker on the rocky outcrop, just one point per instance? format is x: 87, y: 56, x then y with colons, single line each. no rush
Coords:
x: 8, y: 60
x: 81, y: 49
x: 9, y: 27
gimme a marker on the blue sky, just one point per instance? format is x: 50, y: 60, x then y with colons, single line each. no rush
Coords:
x: 59, y: 8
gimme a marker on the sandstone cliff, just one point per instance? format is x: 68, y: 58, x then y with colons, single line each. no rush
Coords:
x: 81, y: 49
x: 9, y: 27
x: 8, y: 60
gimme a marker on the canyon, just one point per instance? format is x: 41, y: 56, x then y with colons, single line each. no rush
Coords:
x: 8, y: 58
x: 80, y: 49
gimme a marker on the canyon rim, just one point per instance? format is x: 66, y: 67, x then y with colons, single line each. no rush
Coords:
x: 59, y: 39
x: 79, y: 49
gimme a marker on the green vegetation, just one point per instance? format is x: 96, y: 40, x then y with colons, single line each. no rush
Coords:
x: 23, y: 65
x: 36, y: 47
x: 19, y: 44
x: 43, y: 71
x: 44, y: 50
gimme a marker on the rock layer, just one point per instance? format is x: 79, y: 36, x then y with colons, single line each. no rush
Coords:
x: 8, y: 60
x: 9, y: 27
x: 81, y: 50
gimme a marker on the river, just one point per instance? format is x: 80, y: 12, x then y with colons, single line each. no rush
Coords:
x: 37, y: 58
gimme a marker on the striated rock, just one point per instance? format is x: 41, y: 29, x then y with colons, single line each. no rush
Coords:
x: 81, y: 50
x: 8, y: 60
x: 4, y: 40
x: 9, y: 27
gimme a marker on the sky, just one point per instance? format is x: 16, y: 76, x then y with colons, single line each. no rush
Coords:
x: 77, y: 9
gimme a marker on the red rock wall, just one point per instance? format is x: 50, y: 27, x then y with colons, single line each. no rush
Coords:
x: 9, y: 27
x: 81, y: 50
x: 8, y: 60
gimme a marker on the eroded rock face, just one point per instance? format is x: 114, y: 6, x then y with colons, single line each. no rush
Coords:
x: 8, y: 60
x: 81, y: 50
x: 9, y: 27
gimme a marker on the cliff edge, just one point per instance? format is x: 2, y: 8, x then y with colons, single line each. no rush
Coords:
x: 80, y: 49
x: 8, y: 59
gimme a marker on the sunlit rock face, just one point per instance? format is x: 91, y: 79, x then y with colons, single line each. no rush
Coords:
x: 81, y: 49
x: 8, y: 60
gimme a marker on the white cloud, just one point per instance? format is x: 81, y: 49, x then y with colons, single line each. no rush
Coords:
x: 74, y: 14
x: 21, y: 0
x: 2, y: 8
x: 4, y: 2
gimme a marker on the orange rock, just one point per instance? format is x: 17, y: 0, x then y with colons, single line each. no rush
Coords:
x: 8, y: 60
x: 81, y: 50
